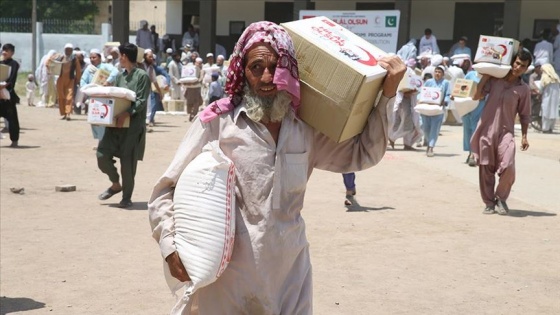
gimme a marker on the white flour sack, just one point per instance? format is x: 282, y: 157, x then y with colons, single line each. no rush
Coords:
x: 93, y: 90
x: 464, y: 105
x: 429, y: 109
x: 497, y: 71
x: 204, y: 214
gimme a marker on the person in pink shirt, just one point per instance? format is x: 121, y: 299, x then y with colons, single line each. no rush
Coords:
x: 492, y: 143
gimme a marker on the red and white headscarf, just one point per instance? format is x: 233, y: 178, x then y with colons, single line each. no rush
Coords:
x: 286, y: 76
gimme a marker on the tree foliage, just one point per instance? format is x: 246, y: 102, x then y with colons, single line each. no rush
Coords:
x: 50, y: 9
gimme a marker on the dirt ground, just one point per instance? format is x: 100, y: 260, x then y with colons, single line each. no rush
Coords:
x: 418, y: 243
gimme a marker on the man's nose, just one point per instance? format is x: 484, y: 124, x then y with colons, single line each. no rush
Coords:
x: 267, y: 76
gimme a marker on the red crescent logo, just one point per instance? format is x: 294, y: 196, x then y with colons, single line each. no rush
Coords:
x: 106, y: 110
x: 505, y: 49
x: 371, y: 61
x: 377, y: 20
x: 437, y: 96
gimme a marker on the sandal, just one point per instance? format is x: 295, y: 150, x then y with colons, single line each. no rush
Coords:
x: 108, y: 193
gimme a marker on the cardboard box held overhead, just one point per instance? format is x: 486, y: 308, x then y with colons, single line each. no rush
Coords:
x: 102, y: 111
x: 410, y: 82
x: 339, y: 75
x: 496, y: 50
x: 463, y: 88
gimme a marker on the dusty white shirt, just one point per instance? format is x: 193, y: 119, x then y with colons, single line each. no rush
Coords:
x: 270, y: 270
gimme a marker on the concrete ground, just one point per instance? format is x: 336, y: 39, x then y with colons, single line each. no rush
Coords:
x: 418, y: 243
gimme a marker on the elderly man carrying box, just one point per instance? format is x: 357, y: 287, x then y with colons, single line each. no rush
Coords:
x: 274, y: 153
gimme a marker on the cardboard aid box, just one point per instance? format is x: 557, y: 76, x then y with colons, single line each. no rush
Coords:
x: 339, y: 76
x: 463, y: 88
x: 430, y: 95
x: 410, y: 82
x: 4, y: 72
x: 102, y: 111
x: 497, y: 50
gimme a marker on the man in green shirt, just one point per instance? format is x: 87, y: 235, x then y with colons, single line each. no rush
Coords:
x: 126, y: 143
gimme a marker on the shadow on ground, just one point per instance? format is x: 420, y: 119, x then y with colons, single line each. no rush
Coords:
x: 22, y: 147
x: 135, y: 206
x: 20, y: 304
x: 527, y: 213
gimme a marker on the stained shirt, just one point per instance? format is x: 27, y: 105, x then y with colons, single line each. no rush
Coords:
x: 492, y: 142
x: 270, y: 270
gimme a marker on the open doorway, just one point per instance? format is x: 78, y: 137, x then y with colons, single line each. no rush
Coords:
x: 475, y: 19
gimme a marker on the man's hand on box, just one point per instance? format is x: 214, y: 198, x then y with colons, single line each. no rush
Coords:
x: 121, y: 118
x: 395, y: 72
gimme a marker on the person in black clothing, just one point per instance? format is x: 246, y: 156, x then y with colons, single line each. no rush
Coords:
x: 8, y: 108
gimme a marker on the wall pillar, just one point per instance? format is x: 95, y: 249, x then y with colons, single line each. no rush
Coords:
x: 512, y: 18
x: 405, y: 6
x: 207, y: 36
x: 301, y: 5
x: 121, y: 21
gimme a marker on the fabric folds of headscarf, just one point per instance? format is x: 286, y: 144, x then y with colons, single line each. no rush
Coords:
x: 286, y: 76
x: 548, y: 76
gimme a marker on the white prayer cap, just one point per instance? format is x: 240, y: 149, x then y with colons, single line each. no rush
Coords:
x: 460, y: 56
x: 436, y: 60
x: 209, y: 55
x: 458, y: 62
x: 169, y: 50
x: 148, y: 51
x: 69, y: 46
x: 143, y: 23
x: 424, y: 55
x: 220, y: 57
x: 95, y: 51
x: 198, y: 59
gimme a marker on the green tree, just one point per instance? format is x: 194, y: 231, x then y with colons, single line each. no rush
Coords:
x: 50, y: 9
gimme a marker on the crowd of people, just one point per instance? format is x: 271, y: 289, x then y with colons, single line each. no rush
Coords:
x: 273, y: 151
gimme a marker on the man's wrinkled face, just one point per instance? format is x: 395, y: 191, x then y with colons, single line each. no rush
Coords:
x: 519, y: 67
x: 68, y: 51
x: 260, y: 65
x: 149, y: 58
x: 95, y: 59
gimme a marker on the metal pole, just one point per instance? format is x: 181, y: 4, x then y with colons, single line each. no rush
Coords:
x: 34, y: 36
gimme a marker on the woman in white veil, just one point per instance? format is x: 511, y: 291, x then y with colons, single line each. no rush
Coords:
x: 45, y: 81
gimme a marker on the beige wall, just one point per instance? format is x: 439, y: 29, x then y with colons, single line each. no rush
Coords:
x: 537, y: 9
x: 153, y: 11
x: 435, y: 14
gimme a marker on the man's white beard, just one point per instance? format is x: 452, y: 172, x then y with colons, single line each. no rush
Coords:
x: 267, y: 109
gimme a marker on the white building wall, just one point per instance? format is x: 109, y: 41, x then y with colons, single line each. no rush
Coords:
x: 173, y: 18
x: 536, y: 9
